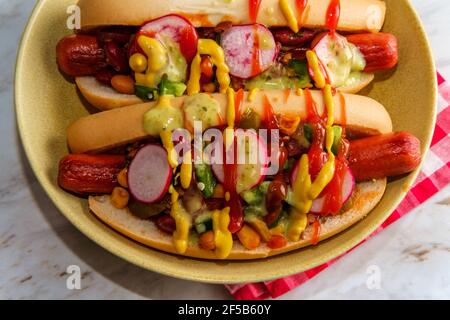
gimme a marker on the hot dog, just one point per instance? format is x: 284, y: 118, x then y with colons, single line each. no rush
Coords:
x: 384, y: 156
x: 368, y: 161
x: 90, y: 174
x: 274, y: 34
x: 242, y: 119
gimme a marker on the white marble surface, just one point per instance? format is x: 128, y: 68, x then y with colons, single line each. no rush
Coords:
x: 37, y: 243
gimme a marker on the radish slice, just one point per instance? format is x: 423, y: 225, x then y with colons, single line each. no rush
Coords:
x: 348, y: 185
x: 149, y: 174
x: 249, y: 50
x: 178, y: 29
x: 248, y: 175
x: 337, y: 57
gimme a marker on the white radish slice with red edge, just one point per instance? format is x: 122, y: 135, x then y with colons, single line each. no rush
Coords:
x: 243, y: 44
x: 178, y: 29
x: 149, y: 174
x: 348, y: 185
x: 249, y: 174
x: 336, y: 56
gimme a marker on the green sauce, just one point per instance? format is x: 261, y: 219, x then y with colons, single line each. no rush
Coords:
x: 201, y: 107
x: 162, y: 117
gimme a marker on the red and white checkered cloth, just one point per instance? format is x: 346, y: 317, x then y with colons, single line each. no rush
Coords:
x: 434, y: 176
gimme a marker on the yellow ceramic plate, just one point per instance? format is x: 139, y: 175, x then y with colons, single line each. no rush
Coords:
x: 46, y: 104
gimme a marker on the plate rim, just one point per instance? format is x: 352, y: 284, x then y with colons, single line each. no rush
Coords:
x: 83, y: 228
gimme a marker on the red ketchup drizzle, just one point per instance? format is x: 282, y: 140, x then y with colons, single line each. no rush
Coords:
x: 333, y: 15
x: 301, y: 6
x: 270, y: 121
x: 188, y: 43
x: 256, y: 59
x: 239, y: 98
x: 343, y: 114
x: 316, y: 232
x: 333, y: 191
x: 236, y: 211
x: 253, y: 9
x: 317, y: 157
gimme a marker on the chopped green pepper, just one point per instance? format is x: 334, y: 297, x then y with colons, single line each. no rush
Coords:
x: 300, y: 68
x: 167, y: 87
x: 337, y: 138
x: 256, y: 195
x: 308, y: 131
x: 205, y: 179
x: 250, y: 120
x: 146, y: 93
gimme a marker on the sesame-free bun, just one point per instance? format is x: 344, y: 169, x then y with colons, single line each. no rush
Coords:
x: 104, y: 97
x: 364, y: 198
x: 109, y: 129
x: 356, y: 15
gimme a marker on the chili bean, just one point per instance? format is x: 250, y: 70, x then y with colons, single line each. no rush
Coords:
x: 289, y: 38
x: 166, y: 223
x: 105, y: 76
x: 116, y: 57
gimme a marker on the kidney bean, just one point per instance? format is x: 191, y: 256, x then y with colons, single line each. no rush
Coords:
x: 119, y: 38
x: 116, y: 57
x: 274, y: 199
x: 294, y: 148
x: 104, y: 76
x: 166, y: 223
x: 237, y: 83
x: 289, y: 38
x: 214, y: 203
x: 206, y: 33
x: 223, y: 26
x: 283, y: 156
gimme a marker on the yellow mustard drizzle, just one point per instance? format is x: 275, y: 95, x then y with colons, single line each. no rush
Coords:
x: 221, y: 219
x: 211, y: 48
x: 231, y: 117
x: 157, y: 59
x: 231, y: 110
x: 193, y: 86
x: 166, y: 138
x: 252, y: 94
x: 313, y: 62
x: 289, y: 15
x: 186, y: 170
x: 302, y: 203
x: 182, y: 221
x: 304, y: 190
x: 222, y: 236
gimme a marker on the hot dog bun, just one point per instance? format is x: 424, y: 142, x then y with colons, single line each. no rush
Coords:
x: 113, y: 128
x: 365, y: 197
x: 356, y: 15
x: 104, y: 97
